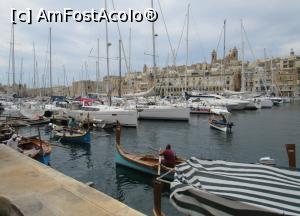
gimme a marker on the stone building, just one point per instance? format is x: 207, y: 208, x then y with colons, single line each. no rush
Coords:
x: 280, y: 76
x: 83, y: 87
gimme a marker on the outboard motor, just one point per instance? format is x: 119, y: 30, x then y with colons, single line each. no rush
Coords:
x: 230, y: 125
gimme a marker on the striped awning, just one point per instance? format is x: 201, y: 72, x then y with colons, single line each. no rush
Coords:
x: 202, y: 187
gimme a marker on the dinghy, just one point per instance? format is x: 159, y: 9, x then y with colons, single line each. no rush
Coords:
x: 220, y: 120
x: 35, y: 148
x: 72, y: 136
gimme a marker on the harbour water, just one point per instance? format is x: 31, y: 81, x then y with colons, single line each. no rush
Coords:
x: 256, y: 134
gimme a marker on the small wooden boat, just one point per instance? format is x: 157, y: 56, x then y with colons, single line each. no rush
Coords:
x: 37, y: 121
x: 6, y: 132
x: 35, y: 148
x: 72, y: 136
x: 220, y: 120
x: 23, y: 122
x: 144, y: 163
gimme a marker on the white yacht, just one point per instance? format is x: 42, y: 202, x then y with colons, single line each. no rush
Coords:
x: 276, y: 100
x: 254, y: 104
x: 266, y: 102
x: 163, y: 112
x: 218, y: 100
x: 126, y: 117
x: 198, y: 106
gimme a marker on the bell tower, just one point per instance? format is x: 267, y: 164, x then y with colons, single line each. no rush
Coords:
x: 235, y: 53
x: 213, y: 56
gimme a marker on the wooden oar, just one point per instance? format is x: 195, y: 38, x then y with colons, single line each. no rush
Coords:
x: 159, y: 162
x: 153, y: 149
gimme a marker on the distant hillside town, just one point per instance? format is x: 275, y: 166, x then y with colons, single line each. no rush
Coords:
x: 279, y: 76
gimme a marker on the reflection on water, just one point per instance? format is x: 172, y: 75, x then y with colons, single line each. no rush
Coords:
x: 255, y: 134
x: 128, y: 179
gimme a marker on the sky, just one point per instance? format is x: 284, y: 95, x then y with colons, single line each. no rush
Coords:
x: 270, y: 24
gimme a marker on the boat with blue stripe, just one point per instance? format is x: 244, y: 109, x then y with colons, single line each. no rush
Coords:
x: 73, y: 136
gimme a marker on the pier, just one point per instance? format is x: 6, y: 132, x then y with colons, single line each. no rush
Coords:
x: 37, y: 189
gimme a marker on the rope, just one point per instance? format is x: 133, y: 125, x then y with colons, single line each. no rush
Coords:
x: 183, y: 28
x: 168, y: 36
x: 250, y: 47
x: 220, y: 37
x: 122, y: 45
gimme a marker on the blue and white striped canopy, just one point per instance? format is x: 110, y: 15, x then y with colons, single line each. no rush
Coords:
x: 202, y: 187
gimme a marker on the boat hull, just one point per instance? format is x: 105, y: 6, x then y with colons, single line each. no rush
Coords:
x: 217, y: 127
x: 253, y: 106
x: 200, y: 110
x: 86, y: 138
x: 239, y: 106
x: 45, y: 159
x: 126, y: 118
x: 266, y: 103
x: 120, y: 160
x: 165, y: 113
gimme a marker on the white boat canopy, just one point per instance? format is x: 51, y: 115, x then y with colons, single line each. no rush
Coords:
x: 202, y: 187
x: 220, y: 111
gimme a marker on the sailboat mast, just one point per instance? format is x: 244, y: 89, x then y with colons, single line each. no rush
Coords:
x: 129, y: 58
x: 65, y: 79
x: 50, y: 65
x: 107, y: 57
x: 153, y: 54
x: 13, y: 56
x: 187, y: 45
x: 265, y: 72
x: 34, y: 67
x: 243, y: 72
x: 10, y: 54
x: 20, y: 81
x: 224, y: 52
x: 98, y: 67
x: 120, y: 67
x: 272, y: 76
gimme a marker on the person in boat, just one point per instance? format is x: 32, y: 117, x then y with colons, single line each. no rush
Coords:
x: 169, y: 156
x: 219, y: 120
x: 223, y: 119
x: 73, y: 124
x: 49, y: 128
x: 13, y: 142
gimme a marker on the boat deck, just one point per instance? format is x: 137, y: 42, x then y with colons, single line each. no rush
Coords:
x: 37, y: 189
